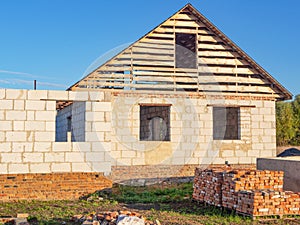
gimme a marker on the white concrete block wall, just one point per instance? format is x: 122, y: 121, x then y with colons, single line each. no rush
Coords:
x: 98, y: 124
x: 28, y: 130
x: 265, y: 118
x: 110, y: 131
x: 191, y: 133
x: 78, y: 121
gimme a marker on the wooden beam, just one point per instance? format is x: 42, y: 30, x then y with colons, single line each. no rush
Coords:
x: 154, y: 104
x: 233, y: 106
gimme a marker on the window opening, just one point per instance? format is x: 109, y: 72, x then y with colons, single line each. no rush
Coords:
x: 226, y: 123
x: 155, y: 123
x: 186, y: 50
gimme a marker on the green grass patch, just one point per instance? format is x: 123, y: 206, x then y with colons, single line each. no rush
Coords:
x: 152, y: 194
x: 170, y: 204
x: 52, y: 212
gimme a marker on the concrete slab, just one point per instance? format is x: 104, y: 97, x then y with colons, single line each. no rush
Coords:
x: 290, y: 166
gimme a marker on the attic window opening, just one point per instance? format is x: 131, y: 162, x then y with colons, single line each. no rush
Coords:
x: 186, y: 50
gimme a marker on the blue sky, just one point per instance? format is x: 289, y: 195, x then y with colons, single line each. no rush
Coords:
x: 56, y: 41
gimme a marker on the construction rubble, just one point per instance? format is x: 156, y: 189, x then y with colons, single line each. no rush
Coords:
x: 248, y: 192
x: 114, y: 218
x: 20, y: 219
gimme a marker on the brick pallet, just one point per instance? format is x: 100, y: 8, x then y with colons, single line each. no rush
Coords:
x: 248, y: 192
x: 207, y: 186
x: 240, y: 180
x: 268, y: 202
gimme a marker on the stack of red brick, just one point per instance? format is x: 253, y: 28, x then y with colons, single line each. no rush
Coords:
x: 207, y: 186
x: 268, y: 202
x: 240, y: 180
x: 251, y: 192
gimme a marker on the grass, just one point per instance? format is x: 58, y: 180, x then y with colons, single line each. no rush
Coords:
x: 170, y: 204
x: 154, y: 194
x: 51, y: 212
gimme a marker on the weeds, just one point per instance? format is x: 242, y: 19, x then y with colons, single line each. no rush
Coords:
x: 171, y: 204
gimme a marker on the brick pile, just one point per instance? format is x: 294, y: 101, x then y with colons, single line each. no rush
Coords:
x: 239, y: 180
x: 268, y: 202
x: 207, y: 186
x: 250, y: 192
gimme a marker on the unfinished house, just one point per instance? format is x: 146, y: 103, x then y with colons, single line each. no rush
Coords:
x: 181, y: 96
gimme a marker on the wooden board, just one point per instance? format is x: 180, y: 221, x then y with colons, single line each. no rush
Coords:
x: 149, y: 64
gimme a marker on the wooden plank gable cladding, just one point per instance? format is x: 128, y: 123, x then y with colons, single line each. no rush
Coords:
x: 151, y: 63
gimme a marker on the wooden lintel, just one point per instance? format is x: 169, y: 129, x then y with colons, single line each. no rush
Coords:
x: 233, y: 106
x: 66, y: 100
x: 154, y: 104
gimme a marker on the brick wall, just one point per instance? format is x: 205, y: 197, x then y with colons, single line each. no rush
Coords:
x: 145, y: 174
x: 50, y: 186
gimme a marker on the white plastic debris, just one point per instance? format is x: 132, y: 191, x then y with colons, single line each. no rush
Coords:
x: 130, y: 220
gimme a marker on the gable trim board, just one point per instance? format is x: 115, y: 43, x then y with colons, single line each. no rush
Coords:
x: 155, y: 73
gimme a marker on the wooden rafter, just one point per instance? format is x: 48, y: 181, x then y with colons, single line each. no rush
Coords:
x: 149, y: 63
